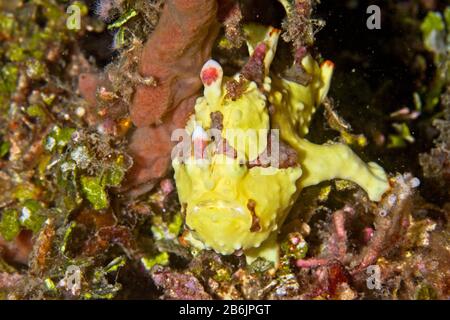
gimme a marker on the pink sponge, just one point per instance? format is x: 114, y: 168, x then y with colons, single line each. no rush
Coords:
x: 174, y: 55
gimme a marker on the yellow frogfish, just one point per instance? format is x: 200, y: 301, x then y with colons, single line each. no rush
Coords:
x: 244, y: 161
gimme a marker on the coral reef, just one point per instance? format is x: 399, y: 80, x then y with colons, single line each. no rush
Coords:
x: 436, y: 164
x: 170, y: 62
x: 89, y: 205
